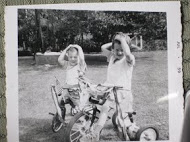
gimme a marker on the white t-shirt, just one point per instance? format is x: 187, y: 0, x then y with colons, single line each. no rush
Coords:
x: 119, y: 73
x: 72, y: 74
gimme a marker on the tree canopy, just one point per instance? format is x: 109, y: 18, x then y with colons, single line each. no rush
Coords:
x: 39, y: 29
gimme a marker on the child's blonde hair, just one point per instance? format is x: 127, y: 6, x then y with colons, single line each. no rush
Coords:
x: 72, y: 49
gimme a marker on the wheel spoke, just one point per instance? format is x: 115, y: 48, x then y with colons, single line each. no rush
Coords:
x: 74, y: 129
x: 76, y: 139
x: 77, y: 126
x: 75, y: 132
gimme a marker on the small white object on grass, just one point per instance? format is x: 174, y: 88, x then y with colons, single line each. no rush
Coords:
x: 167, y: 97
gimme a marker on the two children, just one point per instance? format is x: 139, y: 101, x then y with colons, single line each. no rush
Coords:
x: 119, y: 73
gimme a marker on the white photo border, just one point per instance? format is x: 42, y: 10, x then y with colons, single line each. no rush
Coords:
x: 174, y: 33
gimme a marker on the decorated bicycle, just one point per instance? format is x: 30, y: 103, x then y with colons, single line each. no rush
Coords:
x: 73, y: 93
x: 84, y: 122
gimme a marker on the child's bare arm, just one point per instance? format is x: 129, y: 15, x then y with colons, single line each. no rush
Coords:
x: 106, y: 49
x: 81, y: 58
x: 61, y: 59
x: 80, y: 51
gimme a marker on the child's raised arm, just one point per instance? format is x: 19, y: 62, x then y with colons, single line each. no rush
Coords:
x: 61, y: 59
x: 81, y: 58
x: 106, y: 49
x: 126, y: 49
x: 80, y: 51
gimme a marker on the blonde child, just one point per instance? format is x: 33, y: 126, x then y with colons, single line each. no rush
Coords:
x: 119, y: 73
x: 72, y: 61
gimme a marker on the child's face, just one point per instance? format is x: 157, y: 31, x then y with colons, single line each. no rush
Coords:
x: 73, y: 58
x: 118, y: 51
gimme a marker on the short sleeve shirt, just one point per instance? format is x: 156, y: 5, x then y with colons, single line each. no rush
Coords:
x: 72, y: 74
x: 119, y: 72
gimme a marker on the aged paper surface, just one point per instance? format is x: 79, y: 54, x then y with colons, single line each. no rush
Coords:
x: 21, y: 79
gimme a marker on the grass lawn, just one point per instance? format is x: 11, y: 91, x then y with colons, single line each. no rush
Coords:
x: 150, y: 83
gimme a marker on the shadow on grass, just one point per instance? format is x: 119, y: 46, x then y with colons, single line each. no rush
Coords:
x: 38, y: 130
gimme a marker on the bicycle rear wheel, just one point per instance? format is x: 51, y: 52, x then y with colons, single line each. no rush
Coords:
x: 56, y: 123
x: 114, y: 120
x: 148, y: 133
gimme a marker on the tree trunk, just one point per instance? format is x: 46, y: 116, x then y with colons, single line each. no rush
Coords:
x: 38, y: 45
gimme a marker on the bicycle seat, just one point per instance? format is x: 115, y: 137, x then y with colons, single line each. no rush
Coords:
x: 97, y: 100
x: 73, y: 89
x: 107, y: 87
x: 102, y: 88
x: 94, y: 100
x: 130, y: 114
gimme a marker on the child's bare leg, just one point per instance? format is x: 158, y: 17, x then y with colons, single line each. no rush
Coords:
x: 100, y: 124
x: 103, y: 117
x: 71, y: 102
x: 127, y: 106
x: 75, y: 103
x: 61, y: 101
x: 125, y: 101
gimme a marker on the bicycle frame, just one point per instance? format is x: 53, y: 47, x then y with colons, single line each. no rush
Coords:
x: 83, y: 123
x: 55, y: 100
x: 120, y: 119
x: 55, y: 97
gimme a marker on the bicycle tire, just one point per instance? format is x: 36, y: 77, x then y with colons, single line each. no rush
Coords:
x: 114, y: 120
x: 56, y: 124
x: 143, y: 129
x: 71, y: 124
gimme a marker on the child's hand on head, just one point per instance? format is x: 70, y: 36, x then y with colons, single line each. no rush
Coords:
x: 128, y: 39
x: 67, y: 48
x: 123, y: 38
x: 67, y: 54
x: 120, y: 37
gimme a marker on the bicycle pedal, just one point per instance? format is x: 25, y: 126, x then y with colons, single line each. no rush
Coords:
x: 50, y: 113
x: 108, y: 118
x: 134, y: 113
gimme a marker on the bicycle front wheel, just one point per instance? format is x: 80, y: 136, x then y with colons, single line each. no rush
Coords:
x: 79, y: 126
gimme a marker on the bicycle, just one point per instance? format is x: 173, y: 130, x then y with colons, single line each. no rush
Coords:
x: 58, y: 120
x: 83, y: 123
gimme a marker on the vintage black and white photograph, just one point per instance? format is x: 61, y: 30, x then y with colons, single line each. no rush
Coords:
x: 88, y: 75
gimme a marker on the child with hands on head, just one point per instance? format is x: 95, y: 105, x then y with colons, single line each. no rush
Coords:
x: 119, y: 73
x: 72, y: 61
